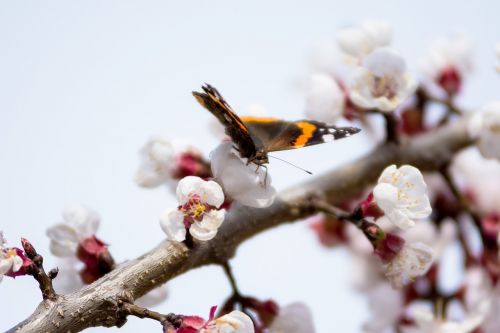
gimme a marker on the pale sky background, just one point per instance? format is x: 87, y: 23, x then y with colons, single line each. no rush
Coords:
x: 84, y: 84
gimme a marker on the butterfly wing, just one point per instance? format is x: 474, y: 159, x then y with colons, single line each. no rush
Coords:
x: 277, y: 134
x: 213, y: 101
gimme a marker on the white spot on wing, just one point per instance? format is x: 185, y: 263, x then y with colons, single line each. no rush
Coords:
x: 328, y: 137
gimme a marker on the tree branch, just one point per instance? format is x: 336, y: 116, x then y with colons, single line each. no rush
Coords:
x: 96, y: 304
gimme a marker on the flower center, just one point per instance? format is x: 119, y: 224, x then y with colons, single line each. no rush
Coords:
x: 11, y: 253
x: 195, y: 208
x: 383, y: 87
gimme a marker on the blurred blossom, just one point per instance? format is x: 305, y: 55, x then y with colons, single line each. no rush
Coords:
x: 199, y: 203
x: 329, y: 230
x: 382, y: 82
x: 484, y: 126
x: 163, y: 161
x: 359, y: 41
x: 402, y: 194
x: 75, y: 238
x: 248, y: 184
x: 324, y: 99
x: 427, y: 322
x: 293, y: 318
x: 79, y: 223
x: 482, y: 296
x: 478, y: 179
x: 449, y: 61
x: 439, y: 238
x: 412, y: 261
x: 386, y: 306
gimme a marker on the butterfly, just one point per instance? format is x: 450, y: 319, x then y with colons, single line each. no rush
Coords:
x: 255, y: 137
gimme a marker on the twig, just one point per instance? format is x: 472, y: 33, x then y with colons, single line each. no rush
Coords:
x: 371, y: 230
x: 464, y: 204
x: 128, y: 309
x: 37, y: 271
x: 229, y: 274
x: 391, y: 128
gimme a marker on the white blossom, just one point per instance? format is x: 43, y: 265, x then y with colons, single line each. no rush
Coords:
x: 359, y: 41
x: 482, y: 297
x: 382, y: 82
x: 427, y: 322
x: 324, y: 99
x: 163, y: 161
x: 386, y: 306
x: 10, y: 261
x: 479, y: 177
x: 293, y: 318
x: 413, y: 260
x: 157, y: 163
x: 484, y: 126
x: 451, y: 53
x: 402, y: 194
x: 233, y: 322
x: 241, y: 182
x: 437, y: 238
x: 199, y: 201
x: 78, y: 223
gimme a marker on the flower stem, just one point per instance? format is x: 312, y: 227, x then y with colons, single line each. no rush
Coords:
x: 128, y: 309
x: 229, y: 274
x: 391, y: 128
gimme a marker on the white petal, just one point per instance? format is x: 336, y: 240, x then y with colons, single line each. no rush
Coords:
x: 63, y: 248
x: 84, y: 220
x: 157, y: 162
x: 212, y: 193
x: 386, y: 196
x: 64, y: 240
x: 148, y: 176
x: 212, y: 219
x: 241, y: 182
x: 233, y: 322
x: 379, y: 32
x: 172, y: 224
x: 385, y: 61
x: 201, y: 233
x: 293, y: 318
x: 207, y: 228
x: 5, y: 265
x: 325, y: 100
x: 188, y: 186
x: 62, y: 232
x: 3, y: 241
x: 17, y: 263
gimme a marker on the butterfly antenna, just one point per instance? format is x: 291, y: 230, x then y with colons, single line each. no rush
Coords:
x: 282, y: 160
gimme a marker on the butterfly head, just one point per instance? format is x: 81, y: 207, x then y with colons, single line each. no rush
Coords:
x: 260, y: 157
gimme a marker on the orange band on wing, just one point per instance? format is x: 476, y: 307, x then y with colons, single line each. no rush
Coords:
x: 307, y: 133
x: 261, y: 120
